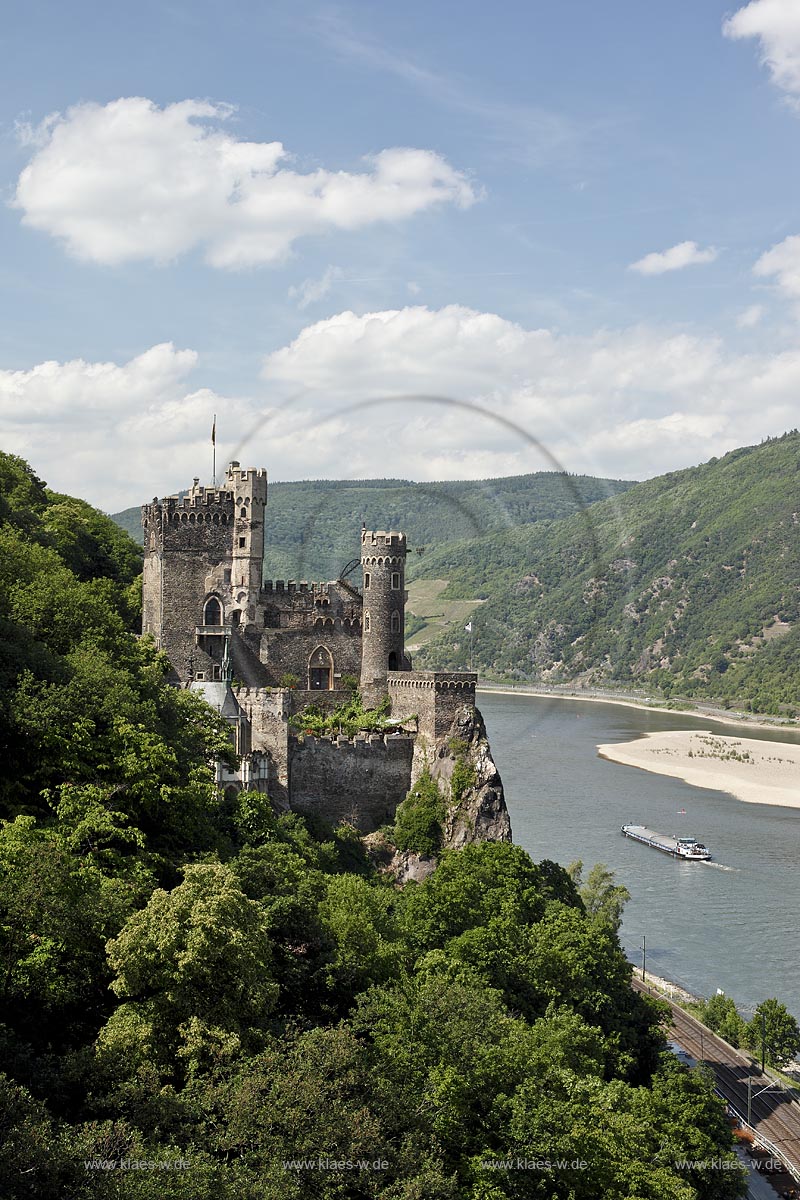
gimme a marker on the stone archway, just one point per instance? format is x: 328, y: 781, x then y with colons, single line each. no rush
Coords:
x: 320, y: 670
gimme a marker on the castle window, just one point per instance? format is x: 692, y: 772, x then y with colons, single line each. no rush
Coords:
x: 243, y: 512
x: 242, y: 543
x: 393, y: 661
x: 366, y: 579
x: 215, y: 673
x: 212, y: 614
x: 395, y: 581
x: 395, y: 622
x: 226, y: 575
x: 366, y: 622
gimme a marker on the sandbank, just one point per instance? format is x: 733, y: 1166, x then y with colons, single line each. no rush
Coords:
x: 756, y: 771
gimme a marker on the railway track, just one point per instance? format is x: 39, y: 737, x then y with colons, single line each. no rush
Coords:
x: 774, y: 1115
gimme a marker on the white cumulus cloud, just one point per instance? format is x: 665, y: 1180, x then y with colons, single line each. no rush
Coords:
x: 685, y: 254
x: 750, y: 317
x: 109, y: 431
x: 311, y: 291
x: 782, y: 263
x: 129, y: 180
x: 776, y: 24
x: 630, y: 402
x: 414, y: 392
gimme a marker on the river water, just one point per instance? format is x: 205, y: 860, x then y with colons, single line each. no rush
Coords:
x: 732, y: 924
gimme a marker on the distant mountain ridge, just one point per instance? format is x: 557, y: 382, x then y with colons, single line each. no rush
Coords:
x: 688, y: 584
x: 313, y: 525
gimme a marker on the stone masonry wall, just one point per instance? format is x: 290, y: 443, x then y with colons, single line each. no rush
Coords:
x: 268, y: 712
x: 359, y: 781
x: 299, y: 618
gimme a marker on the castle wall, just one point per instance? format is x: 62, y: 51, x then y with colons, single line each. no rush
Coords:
x: 360, y: 781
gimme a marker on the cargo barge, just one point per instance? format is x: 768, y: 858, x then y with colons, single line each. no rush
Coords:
x: 683, y: 847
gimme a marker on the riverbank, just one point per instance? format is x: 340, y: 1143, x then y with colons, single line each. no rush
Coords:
x: 700, y: 712
x: 755, y: 771
x: 669, y: 989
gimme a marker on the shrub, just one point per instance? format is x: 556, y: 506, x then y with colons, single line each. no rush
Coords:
x: 418, y: 824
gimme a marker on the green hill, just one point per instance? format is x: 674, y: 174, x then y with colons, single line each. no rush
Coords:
x: 687, y: 584
x: 312, y: 525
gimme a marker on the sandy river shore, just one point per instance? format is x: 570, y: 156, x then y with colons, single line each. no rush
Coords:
x: 753, y: 770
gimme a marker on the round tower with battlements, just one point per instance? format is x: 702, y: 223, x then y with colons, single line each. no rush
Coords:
x: 383, y: 561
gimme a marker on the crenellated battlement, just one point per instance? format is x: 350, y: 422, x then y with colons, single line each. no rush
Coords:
x: 360, y: 741
x: 382, y: 540
x: 255, y: 695
x: 435, y: 680
x: 321, y: 587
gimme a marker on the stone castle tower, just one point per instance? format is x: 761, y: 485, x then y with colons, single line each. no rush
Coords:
x: 383, y: 563
x: 202, y: 568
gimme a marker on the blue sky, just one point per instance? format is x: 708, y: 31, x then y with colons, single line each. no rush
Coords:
x: 579, y: 217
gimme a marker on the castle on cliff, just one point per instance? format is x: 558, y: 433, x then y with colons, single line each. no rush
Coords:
x: 260, y: 651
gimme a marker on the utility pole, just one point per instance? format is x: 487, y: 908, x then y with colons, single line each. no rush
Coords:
x: 763, y: 1039
x: 644, y: 956
x: 749, y: 1099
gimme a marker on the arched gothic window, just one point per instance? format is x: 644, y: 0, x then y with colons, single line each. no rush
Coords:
x: 212, y: 614
x: 320, y: 670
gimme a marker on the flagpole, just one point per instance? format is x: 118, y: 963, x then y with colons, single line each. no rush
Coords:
x: 214, y: 451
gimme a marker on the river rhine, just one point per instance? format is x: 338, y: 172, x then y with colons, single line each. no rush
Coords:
x: 732, y: 924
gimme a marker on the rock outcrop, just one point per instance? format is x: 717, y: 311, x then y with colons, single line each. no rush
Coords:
x: 477, y: 812
x: 461, y: 763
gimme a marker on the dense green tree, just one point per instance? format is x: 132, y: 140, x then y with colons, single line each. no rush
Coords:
x: 602, y: 896
x: 193, y: 966
x: 774, y: 1028
x: 720, y: 1014
x: 418, y: 821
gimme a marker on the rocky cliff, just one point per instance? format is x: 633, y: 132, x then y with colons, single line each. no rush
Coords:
x: 475, y: 808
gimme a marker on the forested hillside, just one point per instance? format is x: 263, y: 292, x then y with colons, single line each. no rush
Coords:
x: 203, y: 1000
x: 313, y: 526
x: 688, y: 584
